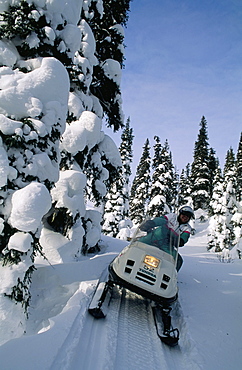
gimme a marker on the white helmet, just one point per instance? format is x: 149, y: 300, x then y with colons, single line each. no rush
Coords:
x: 187, y: 210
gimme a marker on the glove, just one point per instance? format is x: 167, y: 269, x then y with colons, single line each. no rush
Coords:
x: 147, y: 225
x: 193, y: 231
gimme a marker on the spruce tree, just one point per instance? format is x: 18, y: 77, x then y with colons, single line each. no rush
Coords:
x: 229, y: 165
x: 157, y: 200
x: 200, y: 174
x: 184, y: 191
x: 182, y: 188
x: 172, y: 194
x: 67, y: 40
x: 95, y: 88
x: 126, y: 154
x: 213, y: 164
x: 229, y: 198
x: 139, y: 194
x: 224, y: 207
x: 239, y: 171
x: 236, y: 221
x: 116, y: 209
x: 31, y: 147
x: 217, y: 224
x: 109, y: 36
x: 163, y: 186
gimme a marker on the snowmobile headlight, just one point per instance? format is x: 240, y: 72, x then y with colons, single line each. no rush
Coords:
x: 151, y: 261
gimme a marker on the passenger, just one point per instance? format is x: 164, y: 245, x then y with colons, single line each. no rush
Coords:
x: 178, y: 223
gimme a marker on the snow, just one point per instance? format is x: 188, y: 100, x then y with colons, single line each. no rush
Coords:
x: 4, y: 166
x: 29, y: 205
x: 9, y: 126
x: 109, y: 148
x: 81, y: 133
x: 68, y: 191
x: 8, y: 53
x: 20, y: 241
x: 34, y: 91
x: 60, y: 334
x: 112, y: 70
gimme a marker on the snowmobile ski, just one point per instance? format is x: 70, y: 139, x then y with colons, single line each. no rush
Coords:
x: 100, y: 301
x: 98, y: 306
x: 165, y: 331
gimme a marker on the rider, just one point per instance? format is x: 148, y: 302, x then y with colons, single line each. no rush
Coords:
x: 178, y: 223
x: 181, y: 223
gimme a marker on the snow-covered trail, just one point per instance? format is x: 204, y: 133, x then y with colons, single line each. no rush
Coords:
x: 125, y: 339
x: 62, y: 335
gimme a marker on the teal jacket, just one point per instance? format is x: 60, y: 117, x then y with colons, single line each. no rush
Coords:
x: 165, y: 233
x: 172, y: 221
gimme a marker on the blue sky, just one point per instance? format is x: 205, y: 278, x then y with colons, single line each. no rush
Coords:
x: 183, y: 61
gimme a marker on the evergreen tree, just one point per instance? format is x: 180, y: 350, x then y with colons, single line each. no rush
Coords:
x: 31, y: 148
x: 213, y: 164
x: 156, y: 203
x: 117, y: 200
x: 229, y: 198
x: 229, y: 165
x: 217, y: 222
x: 230, y: 180
x: 139, y: 194
x: 239, y: 170
x: 109, y: 38
x: 32, y: 31
x: 184, y: 193
x: 200, y: 174
x: 126, y: 153
x: 95, y: 88
x: 182, y: 188
x: 236, y: 222
x: 172, y: 181
x: 163, y: 189
x: 114, y: 209
x: 224, y: 207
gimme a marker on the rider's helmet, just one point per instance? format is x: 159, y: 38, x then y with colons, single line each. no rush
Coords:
x: 187, y: 210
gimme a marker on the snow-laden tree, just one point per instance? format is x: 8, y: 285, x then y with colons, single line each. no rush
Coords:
x: 116, y: 209
x: 239, y: 170
x: 229, y: 165
x: 229, y: 196
x: 33, y: 106
x: 217, y: 221
x: 200, y: 174
x: 42, y: 42
x: 223, y: 207
x: 163, y: 185
x: 236, y: 221
x: 68, y: 35
x: 172, y: 180
x: 139, y: 194
x: 184, y: 189
x: 126, y: 153
x: 213, y: 164
x: 109, y: 36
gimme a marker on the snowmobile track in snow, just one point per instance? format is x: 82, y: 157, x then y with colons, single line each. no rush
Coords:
x: 125, y: 339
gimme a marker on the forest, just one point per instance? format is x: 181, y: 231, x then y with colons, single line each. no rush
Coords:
x: 60, y: 73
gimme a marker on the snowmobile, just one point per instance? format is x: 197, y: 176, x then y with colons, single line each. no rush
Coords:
x: 147, y: 266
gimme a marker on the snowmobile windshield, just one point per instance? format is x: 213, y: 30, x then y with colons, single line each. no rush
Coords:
x: 161, y: 237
